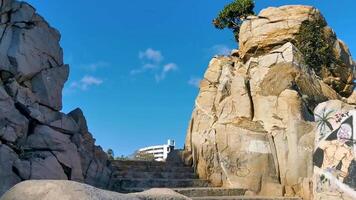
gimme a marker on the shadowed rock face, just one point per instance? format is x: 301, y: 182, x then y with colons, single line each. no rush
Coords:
x: 252, y: 126
x: 37, y: 141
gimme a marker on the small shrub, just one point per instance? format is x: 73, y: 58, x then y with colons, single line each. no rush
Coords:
x: 143, y: 156
x: 315, y: 44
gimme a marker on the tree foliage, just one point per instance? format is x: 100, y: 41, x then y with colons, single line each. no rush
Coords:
x: 122, y: 157
x: 233, y: 14
x: 315, y: 44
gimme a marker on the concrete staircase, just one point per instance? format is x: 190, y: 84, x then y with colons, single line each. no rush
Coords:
x: 213, y: 193
x: 136, y: 176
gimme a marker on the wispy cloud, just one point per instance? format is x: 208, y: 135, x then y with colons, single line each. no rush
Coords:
x: 170, y: 67
x: 152, y: 61
x: 86, y: 82
x: 145, y: 67
x: 151, y: 55
x: 97, y: 65
x: 220, y: 49
x: 194, y: 81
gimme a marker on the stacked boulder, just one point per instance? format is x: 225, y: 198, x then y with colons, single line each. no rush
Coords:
x: 253, y: 123
x: 37, y: 141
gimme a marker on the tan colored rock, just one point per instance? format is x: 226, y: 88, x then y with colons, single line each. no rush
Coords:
x: 252, y: 124
x: 271, y: 189
x: 342, y: 53
x: 253, y: 119
x: 272, y: 27
x: 235, y: 52
x: 352, y: 98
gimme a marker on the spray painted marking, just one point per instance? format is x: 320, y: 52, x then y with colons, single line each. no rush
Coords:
x: 259, y: 146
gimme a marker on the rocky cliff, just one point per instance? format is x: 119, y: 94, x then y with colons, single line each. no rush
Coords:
x: 253, y: 123
x: 37, y: 141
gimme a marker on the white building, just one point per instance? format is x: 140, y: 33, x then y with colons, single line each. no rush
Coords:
x: 160, y: 152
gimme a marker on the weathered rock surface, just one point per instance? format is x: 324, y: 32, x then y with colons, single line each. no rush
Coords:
x: 69, y: 190
x: 274, y: 27
x: 37, y: 141
x: 253, y: 123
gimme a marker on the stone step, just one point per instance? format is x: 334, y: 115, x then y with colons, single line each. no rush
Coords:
x: 144, y: 168
x: 154, y: 174
x: 210, y: 191
x: 146, y: 163
x: 126, y: 184
x: 135, y: 162
x: 130, y: 190
x: 244, y: 198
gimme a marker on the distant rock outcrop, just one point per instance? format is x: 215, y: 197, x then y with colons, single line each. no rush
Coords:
x: 37, y: 141
x: 253, y: 123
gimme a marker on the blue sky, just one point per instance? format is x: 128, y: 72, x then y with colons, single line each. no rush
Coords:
x: 135, y: 63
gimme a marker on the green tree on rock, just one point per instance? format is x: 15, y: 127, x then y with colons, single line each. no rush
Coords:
x: 233, y: 14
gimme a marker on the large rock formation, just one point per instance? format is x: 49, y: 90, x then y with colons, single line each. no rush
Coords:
x: 252, y: 126
x: 37, y: 141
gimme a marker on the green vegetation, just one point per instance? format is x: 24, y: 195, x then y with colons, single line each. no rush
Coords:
x: 316, y: 44
x: 233, y: 15
x: 143, y: 156
x: 122, y: 157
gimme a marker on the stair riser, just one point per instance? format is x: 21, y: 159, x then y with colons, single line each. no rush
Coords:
x: 162, y: 184
x: 144, y: 163
x: 155, y: 175
x: 211, y: 192
x: 245, y: 198
x: 154, y: 169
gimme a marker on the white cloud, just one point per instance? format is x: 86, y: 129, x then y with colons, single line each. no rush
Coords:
x: 86, y: 82
x: 194, y: 81
x: 152, y: 62
x: 150, y: 58
x: 151, y: 55
x: 95, y: 66
x: 220, y: 49
x: 170, y: 67
x: 145, y: 67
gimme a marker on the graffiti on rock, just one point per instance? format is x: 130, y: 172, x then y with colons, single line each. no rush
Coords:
x: 334, y: 155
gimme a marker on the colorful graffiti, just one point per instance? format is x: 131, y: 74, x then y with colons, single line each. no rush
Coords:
x: 334, y: 156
